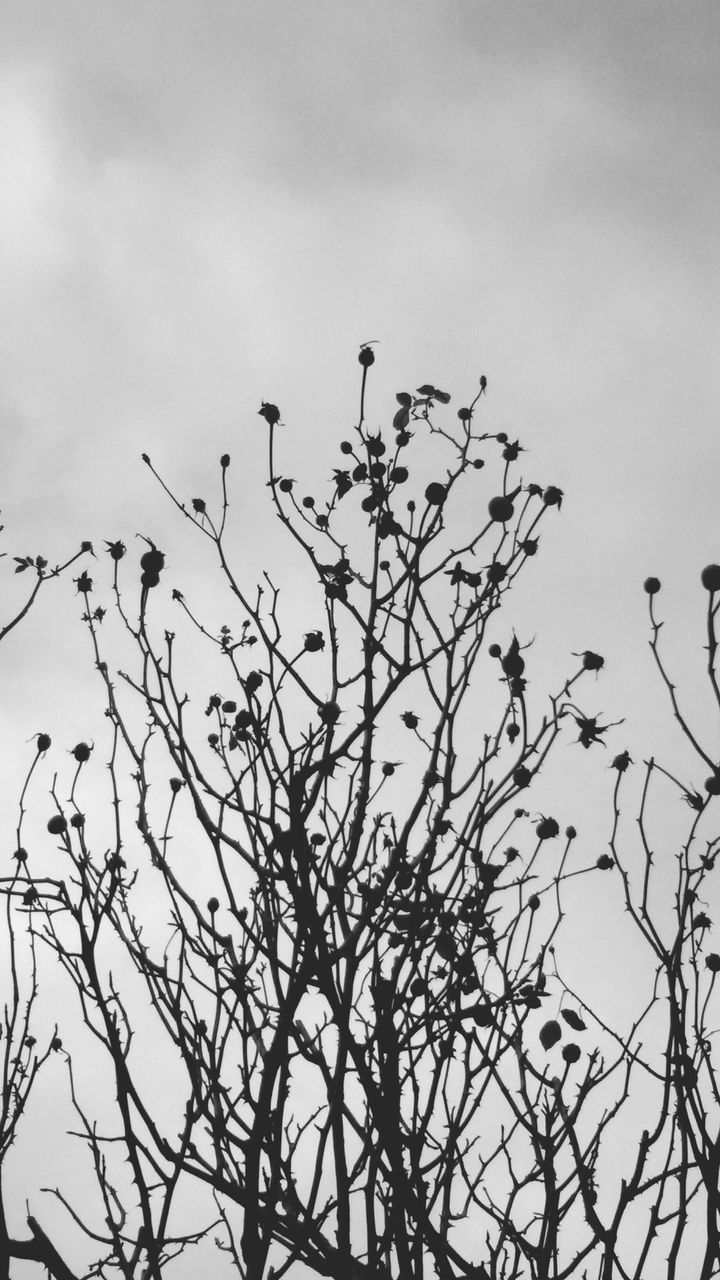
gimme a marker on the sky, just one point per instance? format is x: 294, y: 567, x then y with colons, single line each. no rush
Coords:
x: 204, y: 205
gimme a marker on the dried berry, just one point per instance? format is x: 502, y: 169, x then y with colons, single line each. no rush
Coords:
x: 710, y: 577
x: 270, y: 413
x: 547, y: 829
x: 152, y: 561
x: 501, y: 509
x: 436, y: 494
x: 329, y: 712
x: 553, y: 496
x: 592, y: 661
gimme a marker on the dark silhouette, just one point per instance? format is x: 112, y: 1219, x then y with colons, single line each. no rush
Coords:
x: 324, y: 895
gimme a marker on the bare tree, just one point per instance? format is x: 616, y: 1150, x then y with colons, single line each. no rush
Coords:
x: 335, y: 913
x: 21, y: 1062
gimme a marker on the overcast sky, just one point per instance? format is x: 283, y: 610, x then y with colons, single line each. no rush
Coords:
x: 203, y: 205
x: 206, y: 204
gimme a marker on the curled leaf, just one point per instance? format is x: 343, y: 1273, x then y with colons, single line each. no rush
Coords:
x: 573, y: 1019
x: 550, y: 1033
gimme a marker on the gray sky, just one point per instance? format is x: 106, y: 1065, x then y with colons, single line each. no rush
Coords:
x: 203, y: 205
x: 208, y: 204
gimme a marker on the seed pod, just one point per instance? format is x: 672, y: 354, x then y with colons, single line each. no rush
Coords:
x: 57, y: 825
